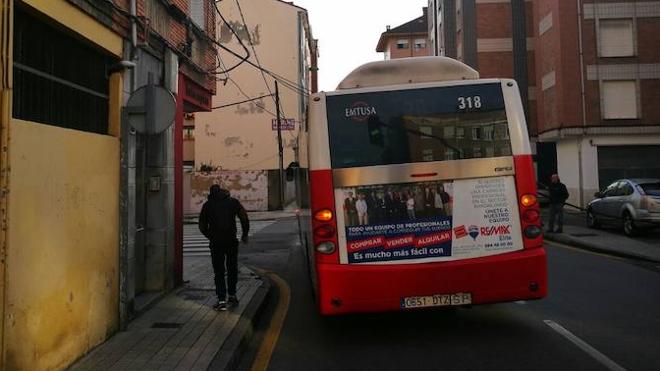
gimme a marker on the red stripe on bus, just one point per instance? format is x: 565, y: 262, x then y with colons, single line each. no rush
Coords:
x: 526, y: 184
x: 423, y: 175
x: 323, y: 197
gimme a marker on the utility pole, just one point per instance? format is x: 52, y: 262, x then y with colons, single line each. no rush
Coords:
x: 280, y: 148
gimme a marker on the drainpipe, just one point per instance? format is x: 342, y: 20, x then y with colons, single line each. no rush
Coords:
x: 134, y: 41
x: 584, y: 104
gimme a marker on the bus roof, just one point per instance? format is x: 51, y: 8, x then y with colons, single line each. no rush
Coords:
x: 407, y: 71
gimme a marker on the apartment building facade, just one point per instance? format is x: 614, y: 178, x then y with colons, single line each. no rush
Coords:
x: 587, y: 72
x: 236, y: 144
x: 410, y: 39
x: 88, y: 212
x: 495, y: 37
x: 599, y: 78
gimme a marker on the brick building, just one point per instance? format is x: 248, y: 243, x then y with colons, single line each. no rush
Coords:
x: 588, y: 72
x: 494, y: 37
x: 599, y: 79
x: 407, y: 40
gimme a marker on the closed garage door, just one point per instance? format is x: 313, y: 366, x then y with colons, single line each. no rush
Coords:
x: 627, y: 162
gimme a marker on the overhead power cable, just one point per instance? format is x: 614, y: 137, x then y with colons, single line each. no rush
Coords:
x: 243, y: 59
x: 243, y: 101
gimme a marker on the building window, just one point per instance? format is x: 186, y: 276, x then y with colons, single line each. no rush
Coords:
x: 189, y: 132
x: 427, y: 132
x: 427, y: 155
x: 420, y: 43
x: 402, y: 44
x: 488, y: 132
x: 616, y: 38
x: 197, y: 13
x: 476, y: 133
x: 58, y: 80
x: 619, y: 100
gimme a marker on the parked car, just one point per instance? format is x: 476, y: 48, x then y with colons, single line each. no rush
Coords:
x: 631, y: 203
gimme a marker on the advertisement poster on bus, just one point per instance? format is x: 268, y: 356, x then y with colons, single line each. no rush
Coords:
x: 428, y: 221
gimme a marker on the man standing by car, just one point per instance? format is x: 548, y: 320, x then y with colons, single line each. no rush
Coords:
x: 217, y: 222
x: 558, y: 196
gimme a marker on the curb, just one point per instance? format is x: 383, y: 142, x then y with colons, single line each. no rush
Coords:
x: 576, y: 242
x: 229, y: 355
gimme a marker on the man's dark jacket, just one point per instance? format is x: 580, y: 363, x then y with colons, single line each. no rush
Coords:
x: 217, y: 221
x: 558, y: 193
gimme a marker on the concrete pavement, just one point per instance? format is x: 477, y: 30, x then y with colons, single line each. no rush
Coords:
x: 182, y: 331
x: 610, y: 242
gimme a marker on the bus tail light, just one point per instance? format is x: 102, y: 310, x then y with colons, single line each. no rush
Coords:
x: 532, y: 231
x: 325, y: 231
x: 528, y: 200
x: 326, y: 247
x: 531, y: 216
x: 324, y: 219
x: 324, y: 215
x: 528, y: 205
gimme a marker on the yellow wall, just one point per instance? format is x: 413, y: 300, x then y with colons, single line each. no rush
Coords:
x: 62, y: 261
x: 78, y: 21
x: 61, y: 287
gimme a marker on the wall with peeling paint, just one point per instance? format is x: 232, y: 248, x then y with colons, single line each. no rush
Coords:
x: 249, y: 187
x: 241, y: 137
x: 62, y: 262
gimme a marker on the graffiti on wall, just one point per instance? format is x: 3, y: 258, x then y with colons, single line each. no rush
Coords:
x: 249, y: 187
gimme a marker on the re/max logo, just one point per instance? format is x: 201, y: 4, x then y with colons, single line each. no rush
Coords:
x: 495, y: 230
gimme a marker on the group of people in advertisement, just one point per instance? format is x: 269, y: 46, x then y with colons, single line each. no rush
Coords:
x: 395, y: 203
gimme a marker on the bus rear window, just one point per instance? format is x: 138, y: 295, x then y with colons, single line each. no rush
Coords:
x: 417, y: 125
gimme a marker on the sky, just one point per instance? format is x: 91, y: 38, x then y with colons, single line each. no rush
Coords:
x: 348, y: 31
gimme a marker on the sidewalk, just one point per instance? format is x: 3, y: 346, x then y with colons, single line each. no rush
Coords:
x: 603, y: 241
x: 182, y: 331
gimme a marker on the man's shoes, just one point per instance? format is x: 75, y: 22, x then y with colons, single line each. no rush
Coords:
x: 233, y: 300
x: 220, y: 306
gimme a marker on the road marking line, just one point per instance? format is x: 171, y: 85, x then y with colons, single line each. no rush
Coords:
x: 265, y: 352
x: 593, y: 352
x: 569, y: 247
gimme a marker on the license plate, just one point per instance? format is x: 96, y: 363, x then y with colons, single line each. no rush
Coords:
x: 440, y: 300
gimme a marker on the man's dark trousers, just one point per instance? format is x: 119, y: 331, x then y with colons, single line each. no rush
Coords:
x: 556, y: 212
x: 225, y: 252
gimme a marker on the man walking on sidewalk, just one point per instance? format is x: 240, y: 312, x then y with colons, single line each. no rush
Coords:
x: 217, y: 222
x: 558, y: 196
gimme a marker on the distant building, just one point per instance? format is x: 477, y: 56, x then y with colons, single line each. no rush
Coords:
x: 410, y: 39
x: 494, y: 37
x: 236, y: 144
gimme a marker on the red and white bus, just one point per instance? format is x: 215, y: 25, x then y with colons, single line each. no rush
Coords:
x: 422, y: 191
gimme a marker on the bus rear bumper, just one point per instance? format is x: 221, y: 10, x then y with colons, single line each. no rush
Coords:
x: 343, y: 288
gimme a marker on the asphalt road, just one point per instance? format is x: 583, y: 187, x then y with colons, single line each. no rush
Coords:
x: 601, y: 313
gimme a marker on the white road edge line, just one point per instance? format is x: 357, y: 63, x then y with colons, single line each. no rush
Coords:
x: 593, y: 352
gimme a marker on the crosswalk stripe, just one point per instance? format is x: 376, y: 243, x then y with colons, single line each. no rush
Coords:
x: 195, y: 244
